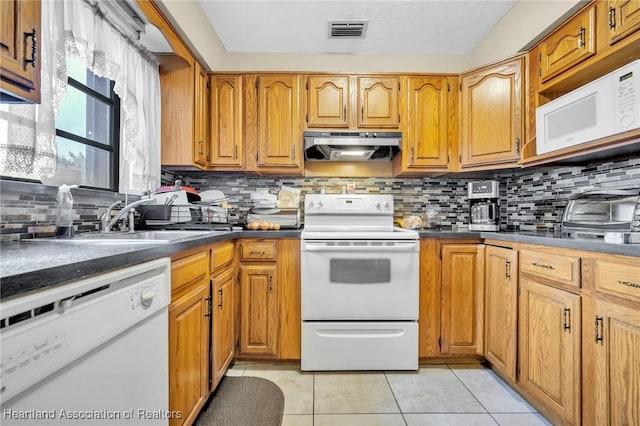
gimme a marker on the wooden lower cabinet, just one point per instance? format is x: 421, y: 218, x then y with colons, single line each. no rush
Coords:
x: 188, y: 353
x: 549, y: 348
x: 616, y: 343
x: 501, y: 309
x: 223, y: 307
x: 451, y: 298
x: 258, y: 309
x: 462, y: 299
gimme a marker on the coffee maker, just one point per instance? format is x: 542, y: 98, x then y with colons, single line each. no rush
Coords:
x: 484, y: 206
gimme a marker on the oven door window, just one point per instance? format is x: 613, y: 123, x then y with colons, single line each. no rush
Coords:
x: 360, y: 271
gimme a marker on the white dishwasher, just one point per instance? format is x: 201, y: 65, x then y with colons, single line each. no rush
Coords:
x: 91, y: 352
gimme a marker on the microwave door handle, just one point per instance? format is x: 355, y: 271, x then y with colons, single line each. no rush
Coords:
x: 361, y: 249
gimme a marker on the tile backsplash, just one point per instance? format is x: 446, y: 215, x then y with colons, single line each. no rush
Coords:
x: 530, y: 197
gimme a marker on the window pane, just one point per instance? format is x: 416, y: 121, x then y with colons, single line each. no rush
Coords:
x: 84, y: 116
x: 77, y: 70
x: 83, y: 164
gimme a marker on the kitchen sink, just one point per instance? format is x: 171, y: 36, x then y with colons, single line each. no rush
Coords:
x: 139, y: 237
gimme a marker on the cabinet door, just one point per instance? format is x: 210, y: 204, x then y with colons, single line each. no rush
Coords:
x: 258, y: 317
x: 426, y: 125
x: 570, y: 45
x: 226, y: 122
x: 624, y: 18
x: 617, y: 368
x: 501, y: 308
x: 549, y: 347
x: 20, y: 49
x: 378, y: 102
x: 279, y: 131
x: 223, y: 324
x: 491, y: 115
x: 188, y: 353
x: 201, y: 117
x: 328, y: 101
x: 462, y: 299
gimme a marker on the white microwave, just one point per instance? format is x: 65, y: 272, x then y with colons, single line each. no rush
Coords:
x: 604, y: 107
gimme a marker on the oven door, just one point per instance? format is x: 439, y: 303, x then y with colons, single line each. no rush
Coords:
x: 359, y: 280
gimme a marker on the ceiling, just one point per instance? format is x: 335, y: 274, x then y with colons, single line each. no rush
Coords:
x: 429, y: 27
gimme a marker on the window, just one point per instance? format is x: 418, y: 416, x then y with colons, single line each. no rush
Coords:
x: 88, y: 130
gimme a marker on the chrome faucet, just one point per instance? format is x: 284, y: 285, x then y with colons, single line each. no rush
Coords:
x: 128, y: 209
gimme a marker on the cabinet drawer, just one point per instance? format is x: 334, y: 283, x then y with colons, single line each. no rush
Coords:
x: 618, y: 278
x: 189, y: 269
x: 555, y: 267
x: 221, y: 255
x: 258, y: 250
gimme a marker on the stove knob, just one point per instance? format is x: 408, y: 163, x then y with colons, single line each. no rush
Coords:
x: 310, y: 206
x: 386, y: 205
x: 377, y: 204
x: 319, y: 205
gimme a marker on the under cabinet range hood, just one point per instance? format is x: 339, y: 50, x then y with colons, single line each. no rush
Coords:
x: 351, y: 146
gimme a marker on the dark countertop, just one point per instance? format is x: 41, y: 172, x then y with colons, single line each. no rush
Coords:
x: 559, y: 240
x: 33, y: 265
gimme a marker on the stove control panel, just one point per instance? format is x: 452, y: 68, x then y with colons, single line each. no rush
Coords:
x: 365, y: 204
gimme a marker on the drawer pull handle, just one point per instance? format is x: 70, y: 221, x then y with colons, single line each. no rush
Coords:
x: 34, y: 48
x: 261, y: 253
x: 598, y: 327
x: 566, y: 319
x: 581, y: 37
x: 629, y: 283
x: 208, y: 313
x: 612, y: 18
x: 542, y: 265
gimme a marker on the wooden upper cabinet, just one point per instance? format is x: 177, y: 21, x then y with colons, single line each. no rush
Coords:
x: 201, y: 117
x: 328, y: 101
x: 20, y: 50
x: 425, y: 131
x: 378, y: 102
x: 279, y: 131
x: 624, y: 19
x: 491, y: 116
x: 501, y: 308
x: 226, y: 123
x: 574, y: 42
x: 184, y: 114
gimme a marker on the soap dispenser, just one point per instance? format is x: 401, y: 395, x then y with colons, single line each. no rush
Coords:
x: 64, y: 212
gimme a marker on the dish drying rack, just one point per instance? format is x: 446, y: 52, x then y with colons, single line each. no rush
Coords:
x: 179, y: 206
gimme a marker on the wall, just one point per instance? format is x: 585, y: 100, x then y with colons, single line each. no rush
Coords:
x: 523, y: 23
x: 531, y: 198
x: 537, y: 198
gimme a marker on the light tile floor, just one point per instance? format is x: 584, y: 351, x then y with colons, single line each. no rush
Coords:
x: 455, y: 395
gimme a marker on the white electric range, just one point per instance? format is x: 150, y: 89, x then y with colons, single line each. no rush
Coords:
x: 359, y: 285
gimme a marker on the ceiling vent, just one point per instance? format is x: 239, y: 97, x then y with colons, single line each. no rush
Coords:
x: 347, y: 28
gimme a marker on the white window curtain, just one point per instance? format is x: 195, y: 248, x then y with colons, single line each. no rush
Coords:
x: 75, y: 28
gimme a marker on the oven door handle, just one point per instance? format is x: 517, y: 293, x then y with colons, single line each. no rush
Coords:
x: 361, y: 333
x: 363, y: 249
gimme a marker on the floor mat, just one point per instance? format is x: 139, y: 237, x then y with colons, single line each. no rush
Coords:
x: 244, y: 401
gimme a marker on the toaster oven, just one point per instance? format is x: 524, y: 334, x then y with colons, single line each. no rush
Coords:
x: 594, y: 213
